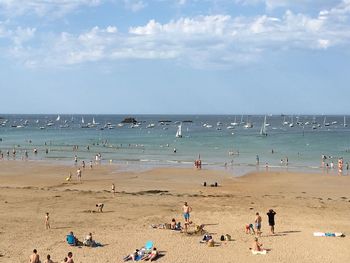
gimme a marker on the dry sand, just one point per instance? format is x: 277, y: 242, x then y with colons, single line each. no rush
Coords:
x: 304, y: 203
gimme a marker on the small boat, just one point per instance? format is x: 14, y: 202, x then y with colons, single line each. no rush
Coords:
x: 326, y: 124
x: 235, y: 123
x: 248, y: 125
x: 94, y: 122
x: 42, y: 127
x: 50, y: 123
x: 82, y: 120
x: 230, y: 127
x: 58, y: 118
x: 345, y: 125
x: 179, y: 132
x: 151, y: 125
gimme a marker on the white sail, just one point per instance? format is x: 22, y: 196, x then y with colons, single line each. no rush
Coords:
x: 93, y: 121
x: 263, y: 128
x: 179, y: 132
x: 82, y: 120
x: 58, y: 118
x: 345, y: 125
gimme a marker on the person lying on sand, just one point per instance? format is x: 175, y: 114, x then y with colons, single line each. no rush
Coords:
x: 133, y: 256
x: 152, y: 256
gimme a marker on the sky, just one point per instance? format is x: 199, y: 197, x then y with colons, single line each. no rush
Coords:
x: 175, y: 56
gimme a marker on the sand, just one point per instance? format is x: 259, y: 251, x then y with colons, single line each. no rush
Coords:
x: 304, y: 203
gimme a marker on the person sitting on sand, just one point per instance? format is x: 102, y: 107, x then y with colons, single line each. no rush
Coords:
x: 153, y: 255
x: 249, y: 229
x: 71, y: 239
x: 257, y: 246
x: 70, y: 257
x: 48, y: 259
x: 100, y: 207
x: 34, y: 258
x: 173, y: 224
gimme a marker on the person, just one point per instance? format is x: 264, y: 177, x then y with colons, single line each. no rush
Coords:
x: 271, y: 215
x: 133, y: 256
x: 47, y: 221
x: 100, y: 207
x: 257, y: 222
x: 71, y: 239
x: 79, y: 174
x: 249, y: 229
x: 48, y: 259
x: 75, y: 159
x: 34, y: 258
x: 69, y: 178
x: 173, y: 224
x: 257, y: 246
x: 186, y: 212
x: 113, y: 188
x: 70, y: 257
x: 65, y: 260
x: 83, y: 164
x: 153, y: 255
x: 89, y: 241
x: 257, y: 160
x: 90, y: 164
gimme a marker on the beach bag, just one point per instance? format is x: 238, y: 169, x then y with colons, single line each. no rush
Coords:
x: 211, y: 243
x: 222, y: 238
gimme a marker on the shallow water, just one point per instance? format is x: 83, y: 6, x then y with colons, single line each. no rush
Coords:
x: 145, y: 148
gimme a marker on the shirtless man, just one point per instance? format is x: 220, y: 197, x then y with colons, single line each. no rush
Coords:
x: 256, y: 245
x: 48, y: 259
x: 47, y: 221
x: 79, y: 174
x: 113, y: 188
x: 34, y: 258
x: 70, y: 257
x: 257, y: 222
x: 186, y: 209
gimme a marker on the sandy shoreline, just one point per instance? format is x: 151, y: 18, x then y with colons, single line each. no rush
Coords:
x: 304, y: 203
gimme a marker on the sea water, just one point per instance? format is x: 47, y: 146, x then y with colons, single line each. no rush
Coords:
x: 207, y: 136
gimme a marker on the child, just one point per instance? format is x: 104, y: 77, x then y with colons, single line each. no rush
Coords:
x: 48, y: 260
x: 249, y: 229
x: 257, y: 222
x: 47, y: 222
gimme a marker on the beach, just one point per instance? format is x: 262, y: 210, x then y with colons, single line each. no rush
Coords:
x: 304, y: 203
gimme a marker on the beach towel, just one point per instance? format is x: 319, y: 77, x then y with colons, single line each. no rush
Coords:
x: 328, y: 234
x: 262, y: 252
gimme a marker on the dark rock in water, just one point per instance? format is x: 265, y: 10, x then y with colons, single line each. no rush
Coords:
x: 129, y: 120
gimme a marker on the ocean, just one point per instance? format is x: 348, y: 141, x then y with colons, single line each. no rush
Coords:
x: 220, y: 143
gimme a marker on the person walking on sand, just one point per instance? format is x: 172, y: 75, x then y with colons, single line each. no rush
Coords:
x: 90, y: 164
x: 271, y: 215
x: 113, y: 188
x: 47, y: 221
x: 34, y: 258
x: 186, y: 209
x: 79, y: 174
x: 257, y: 222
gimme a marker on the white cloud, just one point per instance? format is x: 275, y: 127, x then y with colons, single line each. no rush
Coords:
x: 43, y: 7
x: 201, y: 41
x: 134, y: 5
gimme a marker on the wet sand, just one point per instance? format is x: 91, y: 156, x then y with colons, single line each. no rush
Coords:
x: 305, y: 203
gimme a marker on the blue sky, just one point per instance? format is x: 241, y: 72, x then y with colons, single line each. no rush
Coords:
x: 175, y: 56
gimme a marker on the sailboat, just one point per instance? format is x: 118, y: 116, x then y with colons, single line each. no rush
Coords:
x: 263, y: 128
x: 325, y: 123
x: 58, y: 118
x: 94, y: 122
x: 235, y: 122
x: 345, y: 125
x: 178, y: 132
x: 82, y: 120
